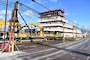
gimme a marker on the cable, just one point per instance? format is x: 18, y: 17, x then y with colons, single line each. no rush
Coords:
x: 74, y: 23
x: 49, y: 9
x: 41, y: 4
x: 18, y: 0
x: 28, y: 7
x: 10, y: 3
x: 23, y: 19
x: 25, y: 23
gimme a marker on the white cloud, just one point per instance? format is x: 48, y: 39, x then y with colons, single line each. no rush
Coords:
x: 55, y: 1
x: 75, y: 21
x: 1, y: 17
x: 29, y: 13
x: 43, y: 2
x: 39, y: 1
x: 2, y: 12
x: 66, y: 14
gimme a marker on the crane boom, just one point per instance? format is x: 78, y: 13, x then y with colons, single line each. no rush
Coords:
x: 40, y: 27
x: 2, y: 22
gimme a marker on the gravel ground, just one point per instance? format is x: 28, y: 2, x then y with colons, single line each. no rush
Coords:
x: 55, y: 50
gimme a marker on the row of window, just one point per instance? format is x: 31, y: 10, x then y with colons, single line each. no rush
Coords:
x: 51, y: 22
x: 51, y: 14
x: 59, y: 27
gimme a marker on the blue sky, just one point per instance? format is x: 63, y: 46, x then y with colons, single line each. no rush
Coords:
x: 75, y: 10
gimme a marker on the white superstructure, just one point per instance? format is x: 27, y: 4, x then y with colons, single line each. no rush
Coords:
x: 54, y: 21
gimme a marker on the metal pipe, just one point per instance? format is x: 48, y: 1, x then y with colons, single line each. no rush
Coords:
x: 26, y: 24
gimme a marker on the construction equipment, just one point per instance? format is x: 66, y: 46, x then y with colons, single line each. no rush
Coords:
x: 2, y: 22
x: 40, y: 27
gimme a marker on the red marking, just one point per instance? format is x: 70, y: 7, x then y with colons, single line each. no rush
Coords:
x: 5, y: 47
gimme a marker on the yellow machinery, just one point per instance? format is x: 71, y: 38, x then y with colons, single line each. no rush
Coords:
x: 40, y: 27
x: 22, y: 34
x: 2, y: 22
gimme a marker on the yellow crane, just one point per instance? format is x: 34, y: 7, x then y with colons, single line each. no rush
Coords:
x: 2, y: 22
x: 40, y: 27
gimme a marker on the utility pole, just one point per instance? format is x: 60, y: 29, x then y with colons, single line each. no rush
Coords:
x: 76, y: 27
x: 73, y: 32
x: 76, y: 32
x: 4, y: 45
x: 63, y: 32
x: 5, y: 21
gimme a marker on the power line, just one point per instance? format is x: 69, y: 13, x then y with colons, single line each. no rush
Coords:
x: 28, y: 7
x: 40, y: 4
x: 49, y: 9
x: 25, y: 23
